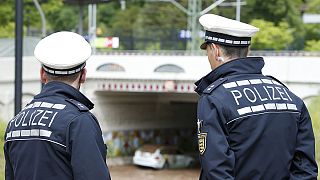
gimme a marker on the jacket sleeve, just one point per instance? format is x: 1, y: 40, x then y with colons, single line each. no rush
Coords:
x: 303, y: 164
x: 217, y: 160
x: 8, y: 168
x: 88, y: 152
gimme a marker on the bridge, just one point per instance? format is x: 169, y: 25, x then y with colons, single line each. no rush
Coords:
x: 141, y: 97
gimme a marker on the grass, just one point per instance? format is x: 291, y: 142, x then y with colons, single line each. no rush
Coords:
x: 314, y: 110
x: 3, y: 126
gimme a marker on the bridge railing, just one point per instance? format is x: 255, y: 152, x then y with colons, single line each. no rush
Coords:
x: 203, y: 53
x: 7, y: 50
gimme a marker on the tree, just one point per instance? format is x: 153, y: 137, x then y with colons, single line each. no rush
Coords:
x: 160, y: 25
x: 312, y: 6
x: 64, y: 19
x: 123, y: 26
x: 105, y: 17
x: 6, y: 19
x: 31, y: 15
x: 147, y: 25
x: 273, y: 10
x: 7, y: 31
x: 278, y: 11
x: 312, y: 31
x: 60, y: 16
x: 6, y: 12
x: 270, y: 36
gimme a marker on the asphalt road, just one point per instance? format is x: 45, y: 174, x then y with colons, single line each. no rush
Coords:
x: 131, y: 172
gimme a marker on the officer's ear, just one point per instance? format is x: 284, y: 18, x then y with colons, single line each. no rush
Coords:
x: 43, y: 76
x: 219, y: 54
x: 215, y: 49
x: 83, y: 75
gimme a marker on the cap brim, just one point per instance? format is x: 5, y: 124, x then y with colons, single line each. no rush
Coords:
x: 203, y: 46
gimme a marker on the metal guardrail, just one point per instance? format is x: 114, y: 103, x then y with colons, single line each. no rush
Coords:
x: 7, y: 46
x: 203, y: 53
x: 149, y: 53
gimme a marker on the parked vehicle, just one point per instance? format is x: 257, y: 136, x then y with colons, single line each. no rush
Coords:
x: 161, y: 156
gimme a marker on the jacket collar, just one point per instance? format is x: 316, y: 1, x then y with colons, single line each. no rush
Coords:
x: 248, y: 65
x: 64, y: 90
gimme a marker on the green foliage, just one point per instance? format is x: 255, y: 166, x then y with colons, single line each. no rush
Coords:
x: 7, y: 30
x: 312, y: 45
x: 6, y: 12
x: 315, y: 116
x: 146, y: 25
x: 163, y: 24
x: 163, y: 18
x: 312, y: 31
x: 31, y: 15
x: 270, y: 36
x: 122, y: 23
x: 312, y: 6
x: 106, y: 13
x: 273, y: 10
x: 6, y: 19
x: 123, y: 26
x: 64, y: 19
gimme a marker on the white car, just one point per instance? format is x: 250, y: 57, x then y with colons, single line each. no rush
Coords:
x: 160, y: 156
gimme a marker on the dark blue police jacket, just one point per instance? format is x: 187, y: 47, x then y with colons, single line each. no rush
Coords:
x: 55, y: 137
x: 252, y: 127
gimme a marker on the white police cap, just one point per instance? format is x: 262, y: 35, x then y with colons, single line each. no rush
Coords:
x: 63, y: 53
x: 224, y: 31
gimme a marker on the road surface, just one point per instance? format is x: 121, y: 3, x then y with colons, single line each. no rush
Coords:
x: 131, y: 172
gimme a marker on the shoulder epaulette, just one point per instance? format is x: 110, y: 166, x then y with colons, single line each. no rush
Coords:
x: 79, y: 105
x: 214, y: 85
x: 277, y: 80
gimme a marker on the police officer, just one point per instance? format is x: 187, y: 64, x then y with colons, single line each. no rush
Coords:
x: 250, y: 126
x: 55, y: 136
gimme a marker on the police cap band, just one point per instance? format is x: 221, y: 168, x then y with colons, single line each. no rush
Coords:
x: 224, y: 31
x: 63, y: 53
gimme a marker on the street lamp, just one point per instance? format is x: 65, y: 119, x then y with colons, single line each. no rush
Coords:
x: 18, y: 56
x: 43, y: 18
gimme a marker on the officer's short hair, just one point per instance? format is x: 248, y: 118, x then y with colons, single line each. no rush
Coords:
x: 66, y: 78
x: 234, y: 52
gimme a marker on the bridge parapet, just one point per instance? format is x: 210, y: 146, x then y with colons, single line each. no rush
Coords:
x: 203, y: 53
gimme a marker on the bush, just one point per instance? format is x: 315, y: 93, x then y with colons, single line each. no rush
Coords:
x: 312, y: 45
x: 272, y: 36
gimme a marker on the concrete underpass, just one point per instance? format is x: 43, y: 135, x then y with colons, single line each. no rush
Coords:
x: 131, y: 119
